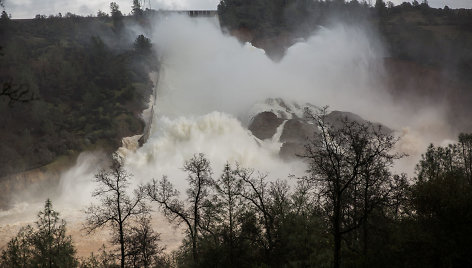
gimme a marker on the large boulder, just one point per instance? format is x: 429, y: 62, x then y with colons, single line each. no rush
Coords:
x: 264, y: 125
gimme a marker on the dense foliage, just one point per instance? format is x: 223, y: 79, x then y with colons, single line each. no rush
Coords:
x: 47, y: 245
x: 85, y: 85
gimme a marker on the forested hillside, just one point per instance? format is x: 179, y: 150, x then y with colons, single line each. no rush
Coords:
x: 69, y: 83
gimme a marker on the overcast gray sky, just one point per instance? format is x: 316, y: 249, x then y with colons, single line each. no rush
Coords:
x: 29, y: 8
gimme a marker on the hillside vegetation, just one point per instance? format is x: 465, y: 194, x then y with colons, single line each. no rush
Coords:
x: 78, y: 83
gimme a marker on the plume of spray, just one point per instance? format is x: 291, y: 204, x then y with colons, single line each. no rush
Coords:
x: 209, y: 83
x: 204, y: 71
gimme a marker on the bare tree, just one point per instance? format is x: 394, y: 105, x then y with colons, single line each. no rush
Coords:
x: 465, y: 144
x: 228, y: 189
x: 350, y: 165
x: 116, y: 209
x: 200, y: 181
x: 255, y: 190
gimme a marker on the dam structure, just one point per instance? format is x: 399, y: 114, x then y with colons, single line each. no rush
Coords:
x: 191, y: 13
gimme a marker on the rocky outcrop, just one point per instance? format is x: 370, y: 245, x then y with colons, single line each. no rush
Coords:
x: 264, y: 125
x: 297, y: 130
x: 337, y: 118
x: 294, y: 136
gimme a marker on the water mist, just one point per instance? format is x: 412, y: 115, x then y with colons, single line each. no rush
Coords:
x: 209, y: 88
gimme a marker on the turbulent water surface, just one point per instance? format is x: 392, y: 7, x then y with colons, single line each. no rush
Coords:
x: 210, y: 86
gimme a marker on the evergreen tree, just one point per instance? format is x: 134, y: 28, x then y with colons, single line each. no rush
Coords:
x: 4, y: 16
x: 116, y: 15
x: 441, y: 199
x: 136, y: 8
x: 46, y: 246
x: 142, y: 45
x: 19, y: 251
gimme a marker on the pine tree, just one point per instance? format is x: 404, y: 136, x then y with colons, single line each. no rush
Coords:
x: 46, y: 246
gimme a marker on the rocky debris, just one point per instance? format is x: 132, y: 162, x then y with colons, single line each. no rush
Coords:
x: 264, y: 125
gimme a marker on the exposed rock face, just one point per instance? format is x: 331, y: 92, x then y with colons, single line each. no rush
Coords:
x: 336, y: 118
x: 264, y: 125
x: 294, y: 136
x: 297, y: 130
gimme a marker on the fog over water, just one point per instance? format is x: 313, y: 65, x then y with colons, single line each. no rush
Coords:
x: 208, y: 90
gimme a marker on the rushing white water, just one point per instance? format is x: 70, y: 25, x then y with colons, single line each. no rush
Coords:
x: 209, y: 87
x: 221, y: 137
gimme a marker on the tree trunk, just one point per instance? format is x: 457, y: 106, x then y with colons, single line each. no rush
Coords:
x: 337, y: 249
x: 337, y: 234
x: 194, y: 250
x: 120, y: 226
x: 122, y: 246
x: 365, y: 229
x: 231, y: 235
